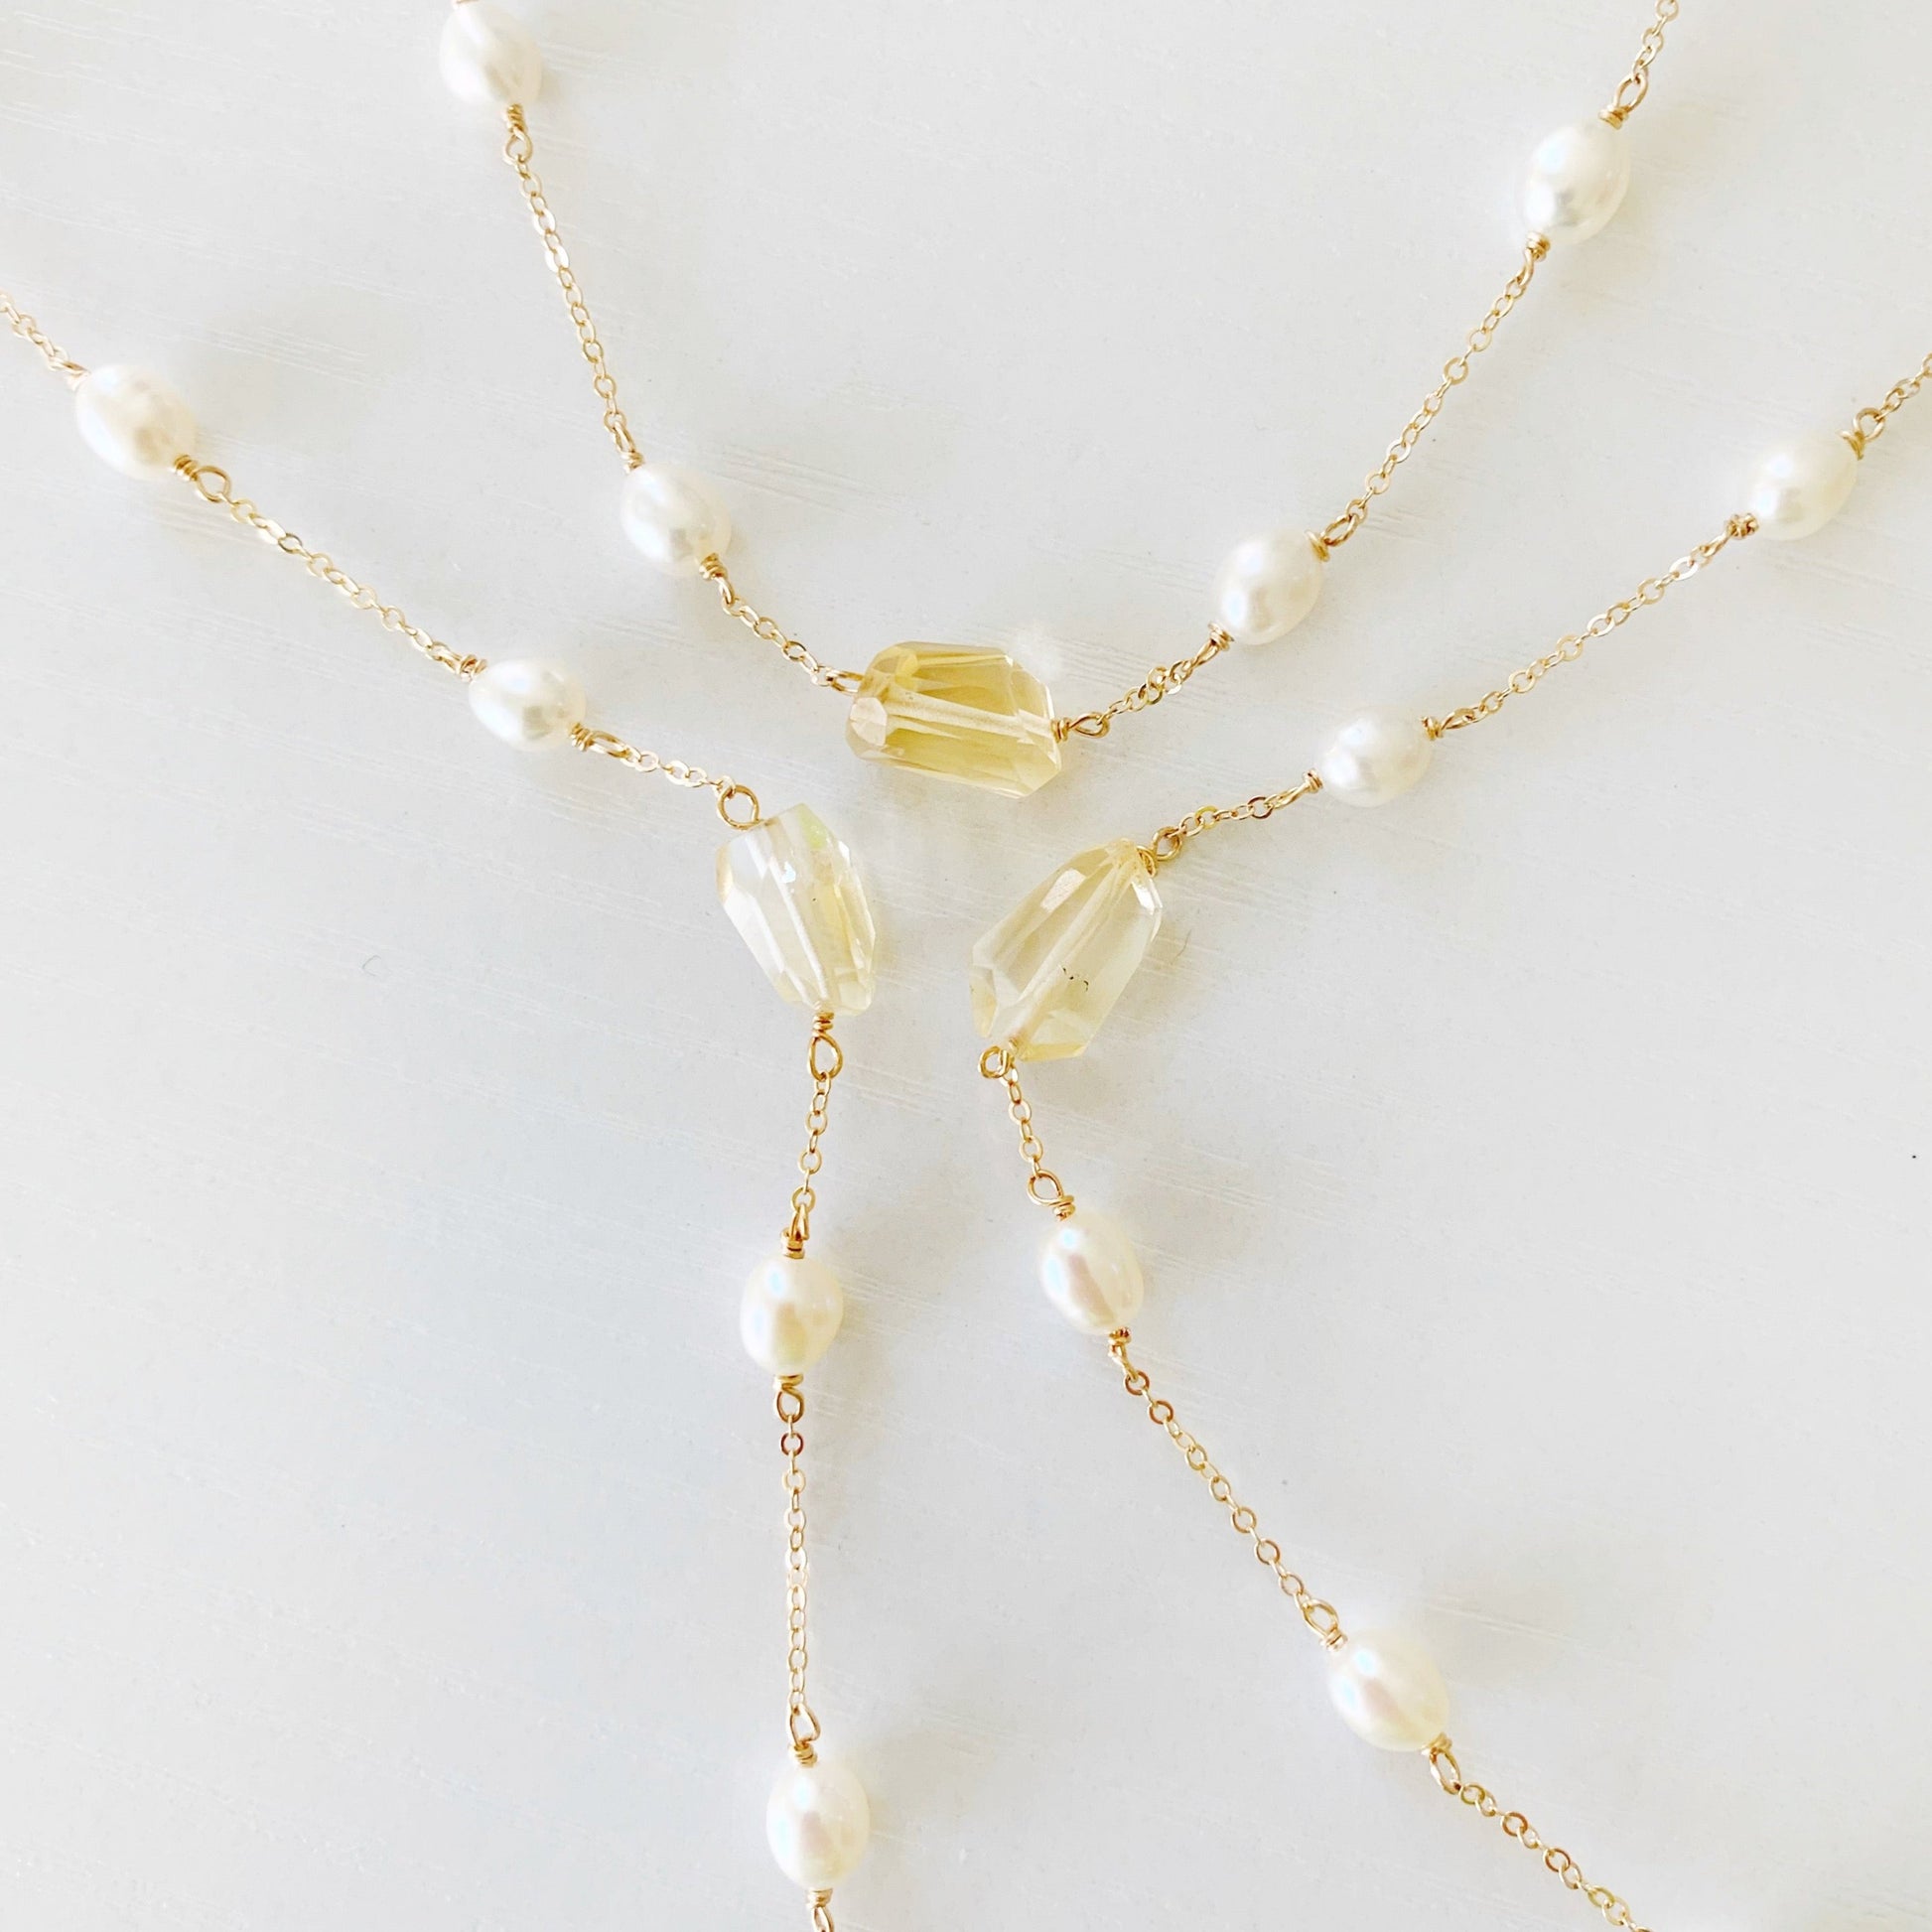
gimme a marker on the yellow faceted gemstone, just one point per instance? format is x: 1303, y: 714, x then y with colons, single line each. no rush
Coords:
x: 972, y: 716
x: 796, y: 899
x: 1047, y: 975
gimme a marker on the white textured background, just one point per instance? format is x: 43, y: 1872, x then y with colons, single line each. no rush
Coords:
x: 1535, y: 1177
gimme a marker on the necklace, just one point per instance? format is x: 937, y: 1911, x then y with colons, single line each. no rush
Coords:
x: 792, y: 890
x: 819, y: 1814
x: 974, y: 715
x: 1046, y: 977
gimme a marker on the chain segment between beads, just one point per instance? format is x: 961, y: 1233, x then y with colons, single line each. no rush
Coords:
x: 1043, y: 1186
x: 1567, y: 649
x: 768, y: 630
x: 1449, y: 1775
x: 826, y: 1059
x: 801, y: 1722
x: 519, y: 150
x: 738, y: 805
x: 1456, y: 371
x: 1171, y: 840
x: 1149, y: 692
x: 215, y: 487
x: 57, y: 358
x: 1321, y: 1618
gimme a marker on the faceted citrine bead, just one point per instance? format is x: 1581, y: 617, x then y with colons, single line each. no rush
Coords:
x: 1047, y: 975
x: 972, y: 716
x: 797, y: 901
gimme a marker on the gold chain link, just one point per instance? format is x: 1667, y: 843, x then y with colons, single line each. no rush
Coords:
x: 518, y: 150
x: 821, y: 1904
x: 1149, y: 691
x: 1456, y: 371
x: 1869, y: 424
x: 765, y: 627
x: 1321, y: 1618
x: 826, y: 1059
x: 57, y: 358
x: 213, y: 485
x: 802, y: 1724
x: 1168, y: 842
x: 1631, y: 89
x: 1567, y: 649
x: 1043, y: 1186
x: 1449, y: 1774
x: 738, y: 805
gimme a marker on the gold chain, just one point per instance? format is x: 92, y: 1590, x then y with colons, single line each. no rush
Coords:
x: 57, y: 358
x: 1631, y: 89
x: 802, y: 1724
x: 1149, y: 691
x: 738, y: 805
x: 213, y: 485
x: 821, y: 1904
x: 1869, y: 424
x: 1569, y: 648
x: 1043, y: 1186
x: 1449, y: 1774
x: 1319, y: 1617
x: 1323, y: 1619
x: 826, y: 1059
x: 763, y: 626
x: 518, y: 150
x: 1168, y: 842
x: 1456, y: 371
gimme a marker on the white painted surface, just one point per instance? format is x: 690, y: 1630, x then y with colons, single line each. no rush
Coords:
x: 1535, y: 1175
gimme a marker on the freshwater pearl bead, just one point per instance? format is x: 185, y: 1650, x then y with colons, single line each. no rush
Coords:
x: 1389, y: 1691
x: 817, y: 1824
x: 1375, y: 757
x: 1577, y: 178
x: 133, y: 420
x: 527, y: 704
x: 1268, y: 585
x: 1091, y: 1274
x: 791, y: 1310
x: 675, y: 518
x: 1799, y: 488
x: 489, y: 58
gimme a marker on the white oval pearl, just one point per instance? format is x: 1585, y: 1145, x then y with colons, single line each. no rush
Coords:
x: 1578, y: 178
x: 1389, y: 1691
x: 133, y: 420
x: 488, y: 57
x: 526, y: 703
x: 1091, y: 1274
x: 817, y: 1824
x: 791, y: 1310
x: 1801, y: 488
x: 1268, y: 585
x: 1375, y: 757
x: 675, y: 518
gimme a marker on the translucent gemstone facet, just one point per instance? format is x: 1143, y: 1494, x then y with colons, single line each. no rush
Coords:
x: 796, y: 899
x: 1047, y: 975
x: 973, y: 716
